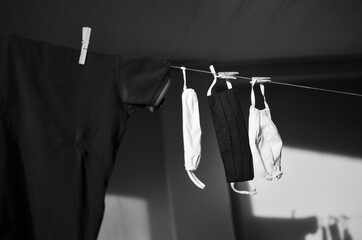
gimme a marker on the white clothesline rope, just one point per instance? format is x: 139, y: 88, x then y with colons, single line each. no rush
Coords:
x: 279, y: 83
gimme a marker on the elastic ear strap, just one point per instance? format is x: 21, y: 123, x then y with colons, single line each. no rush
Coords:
x: 253, y: 192
x: 195, y: 180
x: 262, y: 90
x: 228, y: 83
x: 252, y: 95
x: 184, y: 74
x: 214, y: 81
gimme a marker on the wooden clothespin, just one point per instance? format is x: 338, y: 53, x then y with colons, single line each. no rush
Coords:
x: 227, y: 75
x: 86, y: 32
x: 260, y: 79
x: 223, y: 75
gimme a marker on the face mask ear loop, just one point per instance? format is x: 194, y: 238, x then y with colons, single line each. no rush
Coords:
x: 228, y: 84
x: 252, y: 95
x: 195, y: 180
x: 262, y: 89
x: 184, y: 75
x: 253, y: 192
x: 214, y: 81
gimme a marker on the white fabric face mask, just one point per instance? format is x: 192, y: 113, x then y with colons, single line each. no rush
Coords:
x: 191, y: 131
x: 264, y: 139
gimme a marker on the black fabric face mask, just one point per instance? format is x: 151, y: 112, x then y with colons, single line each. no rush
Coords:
x: 232, y: 135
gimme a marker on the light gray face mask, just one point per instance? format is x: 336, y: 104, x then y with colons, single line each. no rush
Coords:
x: 191, y: 131
x: 265, y: 141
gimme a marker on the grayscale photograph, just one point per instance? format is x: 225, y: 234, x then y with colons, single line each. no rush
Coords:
x: 180, y: 120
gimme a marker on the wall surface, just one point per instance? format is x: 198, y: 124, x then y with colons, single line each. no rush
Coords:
x: 229, y: 30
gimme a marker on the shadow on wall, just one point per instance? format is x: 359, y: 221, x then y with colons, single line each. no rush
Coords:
x: 125, y: 218
x: 248, y: 226
x: 305, y: 201
x: 137, y: 205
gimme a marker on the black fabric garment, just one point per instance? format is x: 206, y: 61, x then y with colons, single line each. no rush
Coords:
x: 60, y: 126
x: 232, y: 135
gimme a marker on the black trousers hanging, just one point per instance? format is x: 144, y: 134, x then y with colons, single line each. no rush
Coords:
x: 60, y: 127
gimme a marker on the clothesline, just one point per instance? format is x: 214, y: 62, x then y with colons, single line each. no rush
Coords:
x: 279, y: 83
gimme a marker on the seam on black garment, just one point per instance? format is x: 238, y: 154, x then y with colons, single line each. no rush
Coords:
x: 81, y: 153
x: 238, y: 129
x: 246, y: 146
x: 118, y: 70
x: 161, y: 86
x: 118, y: 82
x: 230, y: 135
x: 228, y: 131
x: 18, y: 190
x: 4, y: 43
x: 239, y: 121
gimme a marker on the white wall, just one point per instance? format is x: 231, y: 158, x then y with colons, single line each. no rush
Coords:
x: 315, y: 185
x: 322, y: 164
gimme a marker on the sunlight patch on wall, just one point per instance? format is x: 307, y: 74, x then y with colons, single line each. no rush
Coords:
x: 314, y: 184
x: 125, y: 218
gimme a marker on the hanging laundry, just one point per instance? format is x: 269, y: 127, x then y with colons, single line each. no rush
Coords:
x: 265, y: 141
x: 191, y: 131
x: 232, y: 135
x: 60, y: 127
